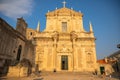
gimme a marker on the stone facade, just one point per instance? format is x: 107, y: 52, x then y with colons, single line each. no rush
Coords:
x: 64, y: 45
x: 13, y: 45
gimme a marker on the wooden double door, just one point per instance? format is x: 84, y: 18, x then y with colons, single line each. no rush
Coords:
x: 64, y: 62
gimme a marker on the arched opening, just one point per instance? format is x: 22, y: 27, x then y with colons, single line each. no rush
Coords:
x: 19, y: 53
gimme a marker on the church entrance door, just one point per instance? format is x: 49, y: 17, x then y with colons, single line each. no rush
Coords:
x: 64, y: 62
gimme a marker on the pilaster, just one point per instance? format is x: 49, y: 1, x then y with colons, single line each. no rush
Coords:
x: 55, y: 39
x: 73, y: 39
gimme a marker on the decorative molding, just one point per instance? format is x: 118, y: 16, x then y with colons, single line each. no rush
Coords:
x: 64, y: 50
x: 64, y: 12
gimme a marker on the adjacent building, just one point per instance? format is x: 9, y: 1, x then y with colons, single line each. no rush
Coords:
x: 13, y: 45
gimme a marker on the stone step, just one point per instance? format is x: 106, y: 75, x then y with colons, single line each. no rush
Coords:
x: 67, y: 73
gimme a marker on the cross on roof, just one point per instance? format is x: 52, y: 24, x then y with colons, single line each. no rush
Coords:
x: 64, y: 3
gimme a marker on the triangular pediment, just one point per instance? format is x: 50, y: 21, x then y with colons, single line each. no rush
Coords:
x: 65, y: 12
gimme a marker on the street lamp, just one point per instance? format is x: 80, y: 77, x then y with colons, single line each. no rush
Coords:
x: 118, y: 46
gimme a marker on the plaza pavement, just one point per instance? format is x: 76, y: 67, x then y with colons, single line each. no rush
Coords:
x: 62, y: 76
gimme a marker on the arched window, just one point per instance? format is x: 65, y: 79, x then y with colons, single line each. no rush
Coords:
x: 19, y: 53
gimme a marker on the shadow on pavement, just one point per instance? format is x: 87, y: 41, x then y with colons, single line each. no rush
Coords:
x: 116, y: 75
x: 3, y: 78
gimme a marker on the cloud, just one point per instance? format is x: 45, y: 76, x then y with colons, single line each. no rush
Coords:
x: 16, y: 8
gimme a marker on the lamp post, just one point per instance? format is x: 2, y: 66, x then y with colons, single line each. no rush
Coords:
x: 118, y: 46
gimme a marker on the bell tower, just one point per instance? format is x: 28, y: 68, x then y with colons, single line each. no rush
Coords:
x: 21, y: 26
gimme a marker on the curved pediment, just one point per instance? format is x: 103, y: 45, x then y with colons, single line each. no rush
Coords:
x: 64, y: 12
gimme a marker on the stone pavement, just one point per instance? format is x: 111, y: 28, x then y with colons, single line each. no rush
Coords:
x: 62, y: 76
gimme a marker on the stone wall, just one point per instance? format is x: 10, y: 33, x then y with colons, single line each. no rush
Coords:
x: 14, y: 46
x: 108, y: 69
x: 8, y: 43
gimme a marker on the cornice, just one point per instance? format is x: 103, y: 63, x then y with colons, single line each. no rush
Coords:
x: 64, y: 12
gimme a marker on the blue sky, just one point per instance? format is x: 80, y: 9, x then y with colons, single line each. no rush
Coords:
x: 104, y: 15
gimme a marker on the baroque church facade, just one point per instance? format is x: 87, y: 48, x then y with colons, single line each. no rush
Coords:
x: 64, y: 45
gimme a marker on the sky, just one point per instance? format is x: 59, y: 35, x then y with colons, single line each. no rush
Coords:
x: 103, y: 14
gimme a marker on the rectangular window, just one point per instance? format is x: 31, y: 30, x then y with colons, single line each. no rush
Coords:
x: 64, y: 26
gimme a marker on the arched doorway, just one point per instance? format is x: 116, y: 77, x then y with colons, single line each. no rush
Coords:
x: 19, y: 53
